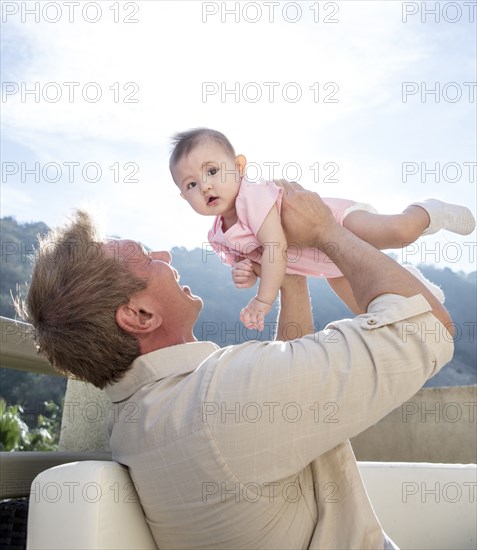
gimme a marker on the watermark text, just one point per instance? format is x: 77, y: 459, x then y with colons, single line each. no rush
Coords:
x: 70, y: 12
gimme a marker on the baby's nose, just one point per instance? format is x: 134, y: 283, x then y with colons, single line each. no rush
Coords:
x: 205, y: 186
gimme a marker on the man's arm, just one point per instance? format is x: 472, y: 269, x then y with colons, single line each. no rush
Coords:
x: 324, y: 388
x: 295, y: 318
x: 308, y: 222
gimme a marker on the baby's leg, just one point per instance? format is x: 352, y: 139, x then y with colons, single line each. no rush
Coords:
x: 342, y: 289
x: 388, y: 231
x: 398, y: 230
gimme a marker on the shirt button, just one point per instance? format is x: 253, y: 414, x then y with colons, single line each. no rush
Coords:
x: 371, y: 321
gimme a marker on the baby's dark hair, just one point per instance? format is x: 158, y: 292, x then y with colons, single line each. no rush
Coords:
x: 185, y: 142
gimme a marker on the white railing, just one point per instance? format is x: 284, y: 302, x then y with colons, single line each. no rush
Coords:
x: 18, y: 351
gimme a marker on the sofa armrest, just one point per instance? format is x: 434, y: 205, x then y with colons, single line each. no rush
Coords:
x: 90, y: 504
x: 422, y: 505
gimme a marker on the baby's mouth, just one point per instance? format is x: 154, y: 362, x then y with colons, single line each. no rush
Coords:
x: 211, y: 200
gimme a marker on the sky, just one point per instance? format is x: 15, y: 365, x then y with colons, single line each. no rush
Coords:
x: 373, y: 101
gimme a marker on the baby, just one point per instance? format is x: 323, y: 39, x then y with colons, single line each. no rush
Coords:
x: 247, y: 225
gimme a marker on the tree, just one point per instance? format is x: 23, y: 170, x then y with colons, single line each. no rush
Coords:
x: 15, y: 435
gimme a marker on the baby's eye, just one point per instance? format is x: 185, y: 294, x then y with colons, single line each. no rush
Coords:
x: 190, y: 185
x: 212, y: 171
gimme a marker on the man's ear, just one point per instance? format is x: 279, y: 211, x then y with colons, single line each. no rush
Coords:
x: 136, y: 320
x: 241, y: 163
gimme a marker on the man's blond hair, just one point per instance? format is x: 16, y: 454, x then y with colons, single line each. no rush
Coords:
x: 76, y: 288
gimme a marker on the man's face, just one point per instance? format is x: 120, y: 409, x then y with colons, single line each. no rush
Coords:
x: 209, y: 179
x: 176, y: 304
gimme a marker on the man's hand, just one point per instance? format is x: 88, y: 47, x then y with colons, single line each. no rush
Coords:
x: 243, y: 275
x: 306, y: 219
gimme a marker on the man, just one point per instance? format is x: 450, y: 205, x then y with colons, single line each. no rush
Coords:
x: 228, y: 448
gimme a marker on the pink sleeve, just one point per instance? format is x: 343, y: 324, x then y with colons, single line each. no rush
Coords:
x: 227, y: 256
x: 255, y: 201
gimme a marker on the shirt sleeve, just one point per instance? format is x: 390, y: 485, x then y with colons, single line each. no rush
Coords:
x: 280, y: 405
x: 255, y: 201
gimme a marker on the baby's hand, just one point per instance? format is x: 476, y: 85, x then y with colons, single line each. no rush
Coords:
x: 253, y: 315
x: 243, y: 275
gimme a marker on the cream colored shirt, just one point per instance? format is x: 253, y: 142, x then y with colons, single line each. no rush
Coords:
x: 247, y: 446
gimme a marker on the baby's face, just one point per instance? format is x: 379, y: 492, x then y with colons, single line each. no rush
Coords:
x: 208, y: 179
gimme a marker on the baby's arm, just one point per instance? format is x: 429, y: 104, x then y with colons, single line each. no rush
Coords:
x: 272, y: 238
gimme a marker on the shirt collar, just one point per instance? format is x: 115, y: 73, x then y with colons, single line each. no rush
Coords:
x: 159, y: 364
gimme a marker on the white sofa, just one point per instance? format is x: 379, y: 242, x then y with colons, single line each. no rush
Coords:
x: 92, y: 504
x: 89, y: 505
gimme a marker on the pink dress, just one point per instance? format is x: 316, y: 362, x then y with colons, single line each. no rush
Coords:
x: 253, y: 203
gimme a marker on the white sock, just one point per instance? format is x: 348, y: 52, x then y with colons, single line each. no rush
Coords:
x: 444, y: 215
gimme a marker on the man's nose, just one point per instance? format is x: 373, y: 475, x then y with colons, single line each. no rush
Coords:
x: 163, y: 255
